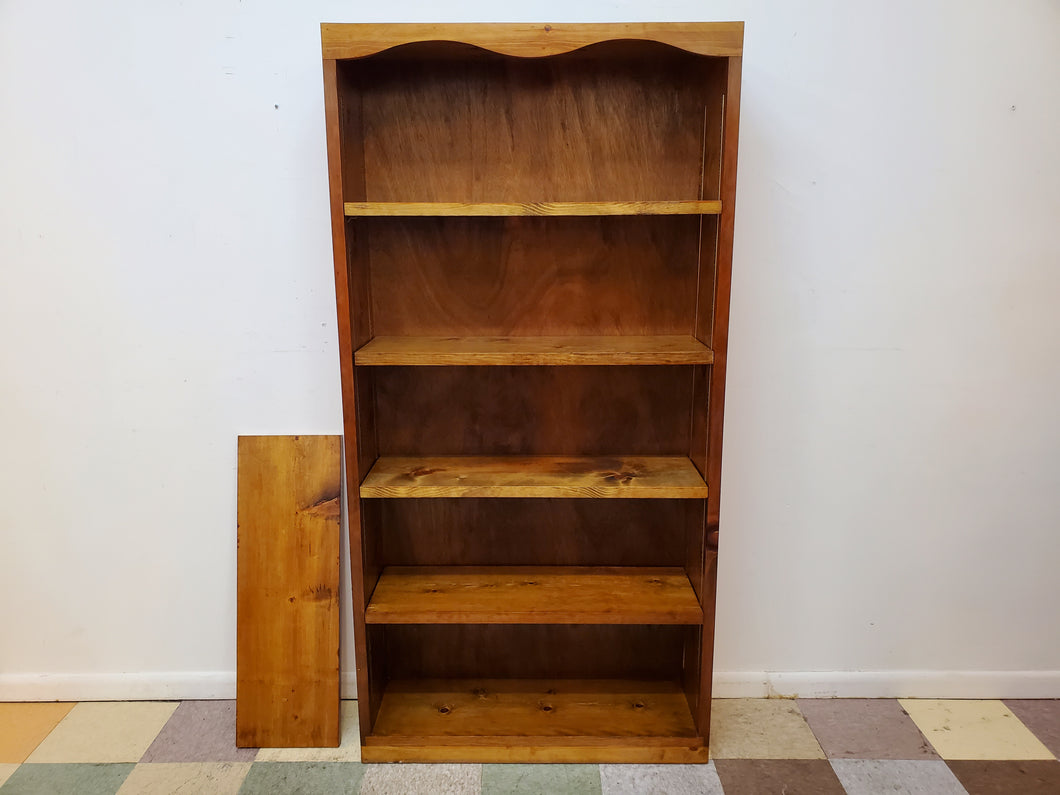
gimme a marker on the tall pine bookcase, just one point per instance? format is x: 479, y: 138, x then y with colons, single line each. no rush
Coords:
x: 533, y: 233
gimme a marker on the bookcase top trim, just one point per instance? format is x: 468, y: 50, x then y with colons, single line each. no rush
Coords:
x: 357, y: 40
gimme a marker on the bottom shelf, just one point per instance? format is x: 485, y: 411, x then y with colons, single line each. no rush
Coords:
x: 530, y: 720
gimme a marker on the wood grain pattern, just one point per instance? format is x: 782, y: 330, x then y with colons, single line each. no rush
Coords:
x: 471, y: 127
x: 357, y: 40
x: 526, y: 751
x: 373, y: 209
x: 287, y: 649
x: 550, y: 711
x: 532, y: 595
x: 475, y: 277
x: 584, y: 350
x: 345, y: 146
x: 654, y: 477
x: 499, y: 410
x: 723, y: 285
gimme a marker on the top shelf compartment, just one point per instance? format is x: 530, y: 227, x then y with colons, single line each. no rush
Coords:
x: 494, y: 209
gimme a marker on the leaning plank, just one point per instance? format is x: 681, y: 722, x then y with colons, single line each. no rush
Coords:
x: 287, y: 649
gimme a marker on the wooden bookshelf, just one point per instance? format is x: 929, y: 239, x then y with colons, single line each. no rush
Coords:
x: 532, y: 227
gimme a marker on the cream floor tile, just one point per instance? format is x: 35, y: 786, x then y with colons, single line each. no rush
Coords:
x: 349, y: 749
x: 118, y: 731
x: 756, y: 728
x: 162, y: 778
x: 5, y: 772
x: 24, y: 725
x: 974, y: 730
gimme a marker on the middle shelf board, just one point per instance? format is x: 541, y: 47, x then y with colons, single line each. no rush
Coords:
x: 635, y: 477
x: 497, y: 209
x: 614, y: 350
x: 533, y: 595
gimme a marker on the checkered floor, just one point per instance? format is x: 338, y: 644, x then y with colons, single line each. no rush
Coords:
x: 759, y: 746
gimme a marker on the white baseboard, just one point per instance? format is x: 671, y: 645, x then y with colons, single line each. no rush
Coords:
x: 886, y: 684
x: 178, y: 685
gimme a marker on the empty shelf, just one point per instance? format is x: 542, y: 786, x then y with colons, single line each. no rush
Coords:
x: 533, y: 595
x: 658, y: 477
x: 353, y: 209
x: 615, y: 350
x: 526, y: 720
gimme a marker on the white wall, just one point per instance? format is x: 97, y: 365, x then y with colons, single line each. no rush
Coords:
x: 892, y: 478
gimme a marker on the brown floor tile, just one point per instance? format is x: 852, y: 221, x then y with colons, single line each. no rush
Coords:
x: 779, y: 776
x: 1041, y: 716
x: 1026, y: 777
x: 864, y: 728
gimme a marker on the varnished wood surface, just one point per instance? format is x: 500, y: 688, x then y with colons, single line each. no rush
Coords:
x: 474, y: 277
x: 599, y: 126
x: 429, y: 209
x: 548, y: 712
x: 533, y: 532
x: 656, y: 477
x: 357, y: 40
x: 502, y: 410
x: 536, y: 651
x: 287, y: 639
x: 345, y: 148
x: 522, y: 751
x: 532, y: 595
x: 583, y: 350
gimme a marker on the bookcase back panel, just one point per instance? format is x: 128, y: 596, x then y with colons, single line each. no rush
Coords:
x: 532, y: 276
x: 534, y: 532
x: 535, y: 651
x: 615, y: 121
x: 533, y: 410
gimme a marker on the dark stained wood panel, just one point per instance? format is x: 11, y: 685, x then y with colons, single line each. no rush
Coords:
x: 605, y: 411
x: 533, y: 595
x: 536, y: 651
x: 575, y: 128
x: 535, y: 532
x: 287, y: 638
x: 479, y: 277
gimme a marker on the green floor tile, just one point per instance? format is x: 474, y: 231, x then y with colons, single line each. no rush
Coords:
x: 536, y: 779
x: 66, y: 779
x: 303, y: 778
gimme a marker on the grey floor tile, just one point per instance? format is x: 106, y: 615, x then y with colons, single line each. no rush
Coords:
x: 199, y: 731
x: 904, y: 776
x: 857, y: 728
x: 422, y: 780
x: 66, y: 779
x: 303, y: 778
x: 660, y: 780
x: 537, y: 779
